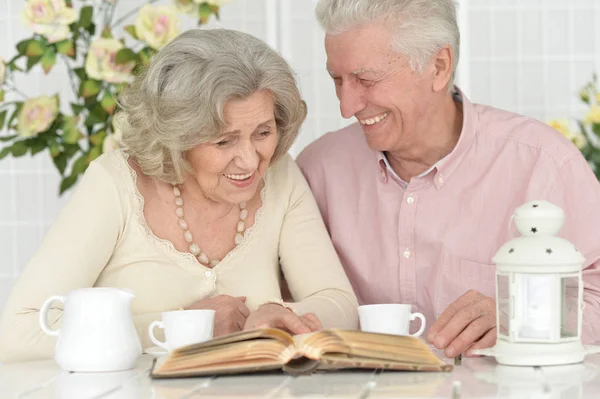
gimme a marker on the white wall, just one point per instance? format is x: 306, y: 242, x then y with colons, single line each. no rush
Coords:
x: 527, y: 56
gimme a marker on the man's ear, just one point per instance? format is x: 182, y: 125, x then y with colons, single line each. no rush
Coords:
x: 442, y: 68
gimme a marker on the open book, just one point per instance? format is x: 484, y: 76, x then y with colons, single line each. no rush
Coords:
x: 272, y: 349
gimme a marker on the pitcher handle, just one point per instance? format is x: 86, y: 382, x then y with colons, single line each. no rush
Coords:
x: 44, y: 314
x: 159, y: 324
x: 418, y: 316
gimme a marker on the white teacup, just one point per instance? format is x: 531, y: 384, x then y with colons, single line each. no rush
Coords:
x: 184, y: 327
x: 390, y: 318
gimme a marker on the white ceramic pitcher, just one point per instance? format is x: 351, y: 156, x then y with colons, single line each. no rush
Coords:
x: 97, y: 332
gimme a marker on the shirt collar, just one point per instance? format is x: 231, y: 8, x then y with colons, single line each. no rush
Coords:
x: 445, y: 167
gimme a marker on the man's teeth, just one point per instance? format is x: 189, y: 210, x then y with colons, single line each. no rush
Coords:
x: 239, y: 177
x: 374, y: 120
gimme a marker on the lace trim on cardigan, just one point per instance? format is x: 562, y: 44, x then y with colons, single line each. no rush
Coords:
x: 167, y: 246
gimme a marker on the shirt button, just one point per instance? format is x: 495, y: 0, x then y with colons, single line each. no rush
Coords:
x: 410, y: 199
x: 407, y: 253
x: 208, y: 274
x: 440, y: 180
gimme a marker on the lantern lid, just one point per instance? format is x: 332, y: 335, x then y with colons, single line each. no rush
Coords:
x: 542, y: 251
x: 539, y: 222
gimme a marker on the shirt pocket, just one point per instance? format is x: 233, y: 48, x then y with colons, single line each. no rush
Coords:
x: 459, y: 275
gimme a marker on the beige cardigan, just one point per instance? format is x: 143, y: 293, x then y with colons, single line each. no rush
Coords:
x: 101, y: 239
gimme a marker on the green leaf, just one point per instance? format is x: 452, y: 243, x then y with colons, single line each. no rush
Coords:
x: 80, y: 72
x: 1, y: 95
x: 132, y: 32
x: 60, y: 162
x: 596, y: 128
x: 97, y: 115
x: 71, y: 134
x: 2, y: 120
x: 19, y: 148
x: 108, y: 103
x: 68, y: 182
x: 54, y: 149
x: 8, y: 138
x: 37, y: 146
x: 71, y: 149
x: 35, y: 48
x: 204, y: 13
x: 125, y: 55
x: 32, y: 61
x: 85, y: 16
x: 16, y: 112
x: 106, y: 33
x: 5, y: 151
x: 91, y: 29
x: 22, y: 46
x: 94, y: 153
x: 80, y: 165
x: 146, y: 55
x: 66, y: 47
x: 14, y: 67
x: 98, y: 138
x: 48, y: 60
x: 77, y: 109
x: 90, y: 88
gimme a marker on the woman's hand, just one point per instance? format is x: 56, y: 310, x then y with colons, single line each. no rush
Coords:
x: 277, y: 316
x: 230, y: 312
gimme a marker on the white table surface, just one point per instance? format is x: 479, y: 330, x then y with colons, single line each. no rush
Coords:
x: 478, y: 378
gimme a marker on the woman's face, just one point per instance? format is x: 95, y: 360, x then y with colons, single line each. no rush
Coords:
x: 230, y: 168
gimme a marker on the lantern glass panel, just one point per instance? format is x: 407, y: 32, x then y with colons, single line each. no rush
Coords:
x: 569, y: 307
x: 535, y: 306
x: 503, y: 305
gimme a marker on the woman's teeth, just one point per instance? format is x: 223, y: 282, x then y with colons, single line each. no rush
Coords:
x: 239, y: 177
x: 374, y: 120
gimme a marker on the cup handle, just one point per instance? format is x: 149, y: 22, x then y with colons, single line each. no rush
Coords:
x: 159, y: 324
x: 418, y: 316
x: 44, y: 314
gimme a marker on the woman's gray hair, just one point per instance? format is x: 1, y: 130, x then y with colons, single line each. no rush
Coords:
x: 419, y: 27
x: 177, y: 102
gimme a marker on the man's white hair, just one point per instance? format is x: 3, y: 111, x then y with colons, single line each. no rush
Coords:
x: 419, y: 27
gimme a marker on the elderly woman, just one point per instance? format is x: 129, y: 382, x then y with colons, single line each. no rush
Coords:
x: 201, y: 210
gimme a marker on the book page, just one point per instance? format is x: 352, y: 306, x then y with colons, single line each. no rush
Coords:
x: 357, y: 344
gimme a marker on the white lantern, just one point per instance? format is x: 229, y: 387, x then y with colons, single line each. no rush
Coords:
x: 539, y: 292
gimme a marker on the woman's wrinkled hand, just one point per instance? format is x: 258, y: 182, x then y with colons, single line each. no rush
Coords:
x: 276, y: 316
x: 230, y: 312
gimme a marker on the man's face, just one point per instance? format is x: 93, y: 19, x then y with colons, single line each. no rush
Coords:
x: 376, y: 85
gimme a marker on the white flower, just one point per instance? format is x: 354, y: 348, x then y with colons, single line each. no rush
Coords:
x: 186, y: 7
x: 593, y: 116
x: 100, y: 62
x: 49, y: 18
x: 562, y: 125
x: 111, y: 143
x: 157, y: 25
x: 37, y: 115
x: 2, y: 71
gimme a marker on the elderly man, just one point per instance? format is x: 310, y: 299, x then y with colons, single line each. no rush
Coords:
x: 417, y: 194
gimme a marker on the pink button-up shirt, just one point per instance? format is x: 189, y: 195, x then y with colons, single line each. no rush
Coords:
x: 429, y: 242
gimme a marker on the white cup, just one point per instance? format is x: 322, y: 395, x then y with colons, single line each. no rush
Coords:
x: 184, y: 327
x: 389, y: 319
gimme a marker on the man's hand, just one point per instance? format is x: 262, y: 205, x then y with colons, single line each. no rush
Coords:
x: 230, y: 312
x: 469, y: 322
x: 277, y: 316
